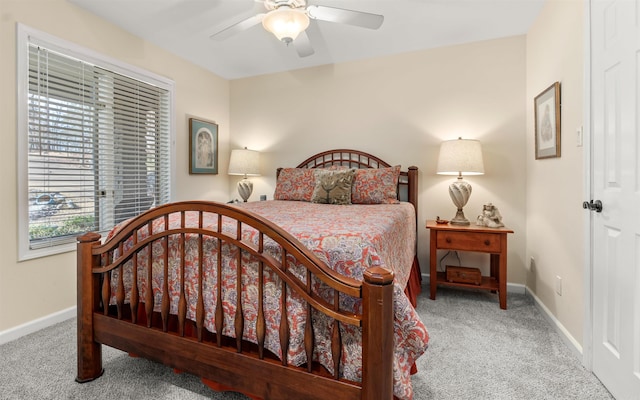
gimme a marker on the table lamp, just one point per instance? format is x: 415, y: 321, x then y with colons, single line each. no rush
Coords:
x: 458, y: 157
x: 247, y: 163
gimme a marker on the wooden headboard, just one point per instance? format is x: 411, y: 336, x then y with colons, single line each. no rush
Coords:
x: 407, y: 184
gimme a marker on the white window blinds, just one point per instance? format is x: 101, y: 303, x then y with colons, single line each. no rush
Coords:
x: 98, y: 147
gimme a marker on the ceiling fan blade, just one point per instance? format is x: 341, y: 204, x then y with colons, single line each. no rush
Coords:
x: 302, y: 45
x: 350, y: 17
x: 238, y: 27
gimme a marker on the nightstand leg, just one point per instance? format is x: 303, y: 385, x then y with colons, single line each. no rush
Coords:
x: 498, y: 264
x: 503, y: 272
x: 433, y: 273
x: 494, y: 264
x: 502, y: 276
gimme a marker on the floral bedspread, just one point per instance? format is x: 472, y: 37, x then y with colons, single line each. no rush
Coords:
x: 349, y: 238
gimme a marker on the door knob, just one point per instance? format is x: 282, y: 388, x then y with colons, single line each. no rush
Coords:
x: 592, y: 205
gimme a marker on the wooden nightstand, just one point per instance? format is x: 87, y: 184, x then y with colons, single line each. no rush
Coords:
x: 471, y: 238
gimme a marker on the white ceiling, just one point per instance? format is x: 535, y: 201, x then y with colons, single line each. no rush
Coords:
x: 184, y: 27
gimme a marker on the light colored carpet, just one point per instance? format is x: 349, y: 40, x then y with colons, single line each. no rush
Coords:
x: 477, y: 351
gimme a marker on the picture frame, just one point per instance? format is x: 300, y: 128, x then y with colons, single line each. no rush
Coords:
x: 203, y: 146
x: 547, y: 122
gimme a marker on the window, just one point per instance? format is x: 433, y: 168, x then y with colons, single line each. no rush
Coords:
x: 95, y: 143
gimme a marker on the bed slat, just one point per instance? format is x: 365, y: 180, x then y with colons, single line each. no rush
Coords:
x: 284, y: 321
x: 239, y: 317
x: 149, y: 298
x: 165, y: 281
x: 120, y: 292
x: 308, y: 338
x: 336, y: 348
x: 260, y: 322
x: 106, y: 291
x: 135, y: 296
x: 336, y: 338
x: 308, y: 329
x: 182, y: 302
x: 200, y: 305
x: 219, y: 322
x: 120, y: 287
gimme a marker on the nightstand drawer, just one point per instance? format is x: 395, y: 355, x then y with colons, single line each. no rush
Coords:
x: 484, y: 242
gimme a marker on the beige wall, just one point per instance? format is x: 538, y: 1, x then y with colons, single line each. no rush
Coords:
x: 400, y: 108
x: 36, y: 288
x: 555, y: 229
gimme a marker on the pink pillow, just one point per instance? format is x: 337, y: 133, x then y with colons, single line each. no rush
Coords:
x: 295, y: 184
x: 376, y: 186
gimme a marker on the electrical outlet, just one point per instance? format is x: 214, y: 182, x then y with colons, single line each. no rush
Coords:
x: 558, y: 285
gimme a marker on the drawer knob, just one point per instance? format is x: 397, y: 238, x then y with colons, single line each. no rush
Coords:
x: 448, y: 240
x: 487, y: 242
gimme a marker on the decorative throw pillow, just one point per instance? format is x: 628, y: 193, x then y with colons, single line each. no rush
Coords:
x: 376, y: 186
x: 295, y: 184
x: 337, y: 167
x: 333, y: 186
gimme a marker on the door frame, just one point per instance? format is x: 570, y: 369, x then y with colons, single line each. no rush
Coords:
x: 587, y: 337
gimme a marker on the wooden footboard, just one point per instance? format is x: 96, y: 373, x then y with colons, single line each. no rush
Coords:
x: 162, y: 331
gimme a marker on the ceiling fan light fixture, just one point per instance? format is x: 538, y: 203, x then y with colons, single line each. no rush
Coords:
x: 286, y: 23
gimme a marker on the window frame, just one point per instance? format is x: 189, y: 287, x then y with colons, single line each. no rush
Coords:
x: 25, y: 36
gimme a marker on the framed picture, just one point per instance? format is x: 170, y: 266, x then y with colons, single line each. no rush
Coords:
x: 547, y: 116
x: 203, y: 146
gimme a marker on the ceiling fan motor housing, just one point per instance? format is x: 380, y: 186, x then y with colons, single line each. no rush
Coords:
x: 275, y: 4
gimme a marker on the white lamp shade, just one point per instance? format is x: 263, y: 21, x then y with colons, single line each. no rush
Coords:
x: 286, y: 23
x: 244, y: 162
x: 460, y: 157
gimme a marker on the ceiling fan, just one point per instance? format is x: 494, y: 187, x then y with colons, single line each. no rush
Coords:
x: 289, y: 19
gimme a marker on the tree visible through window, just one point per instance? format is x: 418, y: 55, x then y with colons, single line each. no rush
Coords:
x: 98, y: 147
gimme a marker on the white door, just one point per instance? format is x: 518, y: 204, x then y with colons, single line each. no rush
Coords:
x: 615, y: 115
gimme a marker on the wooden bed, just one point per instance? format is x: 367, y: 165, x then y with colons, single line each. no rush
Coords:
x: 131, y: 319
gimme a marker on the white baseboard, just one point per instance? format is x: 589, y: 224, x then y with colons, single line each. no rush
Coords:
x: 567, y: 338
x: 516, y: 288
x: 36, y: 325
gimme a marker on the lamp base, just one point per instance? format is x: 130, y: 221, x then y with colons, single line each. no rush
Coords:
x: 460, y: 191
x: 460, y: 219
x: 245, y: 187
